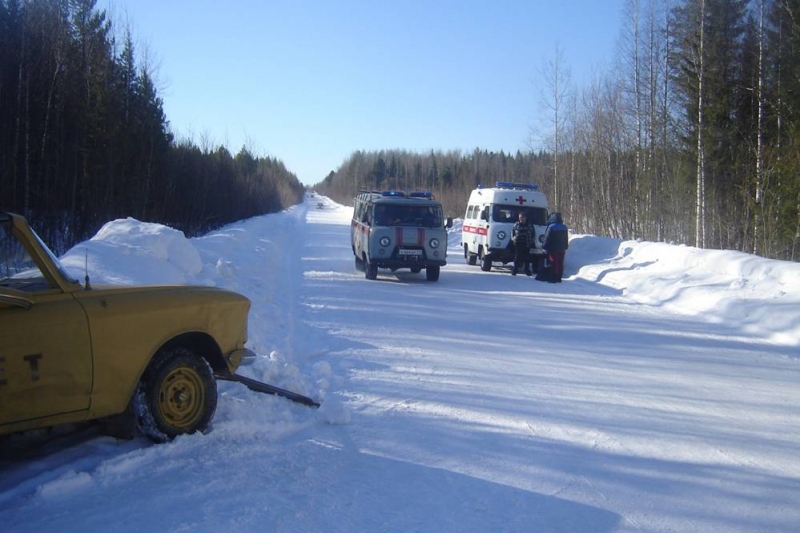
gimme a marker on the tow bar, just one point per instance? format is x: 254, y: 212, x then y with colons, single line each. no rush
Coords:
x: 258, y: 386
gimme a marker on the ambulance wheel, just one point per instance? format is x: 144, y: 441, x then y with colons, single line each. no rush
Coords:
x: 432, y: 273
x: 471, y: 258
x: 370, y: 270
x: 486, y: 264
x: 359, y: 264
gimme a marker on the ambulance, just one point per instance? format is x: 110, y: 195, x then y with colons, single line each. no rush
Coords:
x: 490, y: 216
x: 397, y: 229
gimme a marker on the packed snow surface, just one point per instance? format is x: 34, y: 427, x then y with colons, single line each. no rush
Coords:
x: 654, y: 390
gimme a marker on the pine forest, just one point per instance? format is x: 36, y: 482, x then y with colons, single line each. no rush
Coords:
x: 84, y: 139
x: 691, y: 137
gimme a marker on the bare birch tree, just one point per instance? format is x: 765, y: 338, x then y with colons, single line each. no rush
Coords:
x: 555, y: 91
x: 700, y: 228
x: 759, y: 207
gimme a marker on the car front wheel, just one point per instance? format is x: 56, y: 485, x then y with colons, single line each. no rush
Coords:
x: 177, y: 395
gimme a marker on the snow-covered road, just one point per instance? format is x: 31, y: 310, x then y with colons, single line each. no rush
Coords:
x: 656, y: 389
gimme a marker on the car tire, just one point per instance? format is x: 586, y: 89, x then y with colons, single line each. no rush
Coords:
x: 432, y: 273
x: 177, y: 395
x: 359, y: 264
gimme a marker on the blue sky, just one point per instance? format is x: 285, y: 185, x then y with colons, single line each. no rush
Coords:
x: 309, y: 82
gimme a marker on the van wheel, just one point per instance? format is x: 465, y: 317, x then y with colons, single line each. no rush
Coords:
x: 432, y: 273
x: 471, y: 258
x: 359, y: 264
x: 486, y: 263
x: 370, y: 270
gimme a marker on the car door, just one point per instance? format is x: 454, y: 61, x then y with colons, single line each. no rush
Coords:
x: 45, y: 357
x: 45, y: 348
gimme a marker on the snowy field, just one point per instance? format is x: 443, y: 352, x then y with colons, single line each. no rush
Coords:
x: 655, y: 390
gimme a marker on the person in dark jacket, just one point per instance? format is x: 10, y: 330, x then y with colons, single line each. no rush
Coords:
x: 556, y: 242
x: 522, y: 235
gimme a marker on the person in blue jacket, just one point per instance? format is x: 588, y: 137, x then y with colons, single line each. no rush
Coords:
x: 556, y: 242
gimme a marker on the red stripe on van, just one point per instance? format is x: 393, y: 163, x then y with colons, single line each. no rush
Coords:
x: 475, y: 229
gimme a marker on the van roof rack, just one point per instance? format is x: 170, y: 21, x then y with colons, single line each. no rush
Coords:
x: 402, y: 194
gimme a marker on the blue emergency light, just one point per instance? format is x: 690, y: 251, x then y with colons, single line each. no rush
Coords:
x: 393, y: 193
x: 421, y: 194
x: 512, y: 185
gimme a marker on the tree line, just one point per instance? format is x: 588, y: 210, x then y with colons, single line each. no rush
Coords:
x: 691, y: 137
x: 84, y: 138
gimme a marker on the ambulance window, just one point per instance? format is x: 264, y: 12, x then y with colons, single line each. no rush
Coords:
x: 537, y: 215
x: 503, y: 214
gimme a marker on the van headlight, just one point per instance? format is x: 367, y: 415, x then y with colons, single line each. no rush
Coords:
x: 501, y: 235
x: 384, y: 241
x: 434, y: 243
x: 541, y: 238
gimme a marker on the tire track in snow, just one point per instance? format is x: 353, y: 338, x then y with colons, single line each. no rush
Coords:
x: 292, y: 272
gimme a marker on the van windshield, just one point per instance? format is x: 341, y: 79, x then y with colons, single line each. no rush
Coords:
x: 510, y: 213
x: 426, y: 216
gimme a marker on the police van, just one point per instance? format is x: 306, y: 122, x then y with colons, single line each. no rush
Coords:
x: 490, y: 216
x: 396, y: 229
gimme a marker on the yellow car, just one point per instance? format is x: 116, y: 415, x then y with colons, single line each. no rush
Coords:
x: 145, y: 357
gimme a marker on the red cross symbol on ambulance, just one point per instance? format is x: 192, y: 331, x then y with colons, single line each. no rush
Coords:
x: 520, y: 200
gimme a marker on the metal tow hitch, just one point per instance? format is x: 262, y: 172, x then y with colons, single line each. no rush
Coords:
x: 258, y: 386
